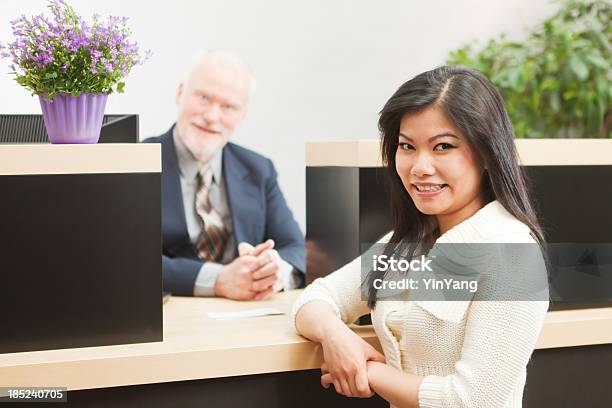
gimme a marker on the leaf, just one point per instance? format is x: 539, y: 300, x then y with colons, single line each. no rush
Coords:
x: 50, y: 75
x: 596, y: 59
x: 567, y: 95
x: 514, y: 78
x: 120, y: 87
x: 549, y: 84
x: 603, y: 41
x: 578, y: 67
x: 555, y: 102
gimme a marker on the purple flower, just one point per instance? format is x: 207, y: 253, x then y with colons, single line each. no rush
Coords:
x: 43, y: 59
x: 48, y: 47
x: 107, y: 65
x: 81, y: 41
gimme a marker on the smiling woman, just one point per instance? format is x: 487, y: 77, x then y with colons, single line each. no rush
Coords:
x: 453, y: 175
x: 438, y: 168
x: 448, y: 149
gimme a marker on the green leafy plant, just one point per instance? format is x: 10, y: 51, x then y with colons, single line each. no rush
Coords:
x: 558, y: 82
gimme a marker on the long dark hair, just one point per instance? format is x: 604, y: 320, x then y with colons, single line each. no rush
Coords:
x: 473, y: 104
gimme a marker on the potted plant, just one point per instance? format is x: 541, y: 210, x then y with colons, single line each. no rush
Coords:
x: 557, y: 82
x: 72, y: 66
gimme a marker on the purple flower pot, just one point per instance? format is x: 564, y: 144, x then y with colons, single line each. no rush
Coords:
x: 74, y: 119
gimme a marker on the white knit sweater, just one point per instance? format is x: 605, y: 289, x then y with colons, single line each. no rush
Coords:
x: 472, y: 354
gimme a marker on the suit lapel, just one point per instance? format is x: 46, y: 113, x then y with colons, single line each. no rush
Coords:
x: 244, y: 199
x: 173, y: 219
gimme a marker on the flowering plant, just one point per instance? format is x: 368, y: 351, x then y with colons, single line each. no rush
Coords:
x: 65, y: 54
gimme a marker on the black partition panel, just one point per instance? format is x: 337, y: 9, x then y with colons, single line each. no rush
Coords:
x: 80, y: 260
x: 349, y: 206
x: 345, y: 206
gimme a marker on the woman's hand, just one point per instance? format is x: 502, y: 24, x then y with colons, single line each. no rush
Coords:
x: 346, y: 355
x: 327, y: 379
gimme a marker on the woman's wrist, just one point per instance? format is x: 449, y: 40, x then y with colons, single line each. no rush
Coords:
x: 332, y: 328
x: 374, y: 370
x: 316, y: 320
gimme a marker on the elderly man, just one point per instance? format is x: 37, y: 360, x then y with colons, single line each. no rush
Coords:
x: 227, y: 230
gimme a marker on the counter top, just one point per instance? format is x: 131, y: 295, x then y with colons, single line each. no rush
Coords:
x: 197, y: 347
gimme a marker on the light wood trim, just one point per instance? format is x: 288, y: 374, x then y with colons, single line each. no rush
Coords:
x: 80, y: 159
x: 571, y: 328
x: 196, y: 347
x: 346, y: 153
x: 532, y: 152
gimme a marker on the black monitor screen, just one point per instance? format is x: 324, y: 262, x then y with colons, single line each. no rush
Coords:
x: 20, y: 129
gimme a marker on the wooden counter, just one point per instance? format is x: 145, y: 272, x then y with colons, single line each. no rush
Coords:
x: 197, y: 347
x: 194, y: 347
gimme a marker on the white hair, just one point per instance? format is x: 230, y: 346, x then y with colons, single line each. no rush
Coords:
x: 226, y: 59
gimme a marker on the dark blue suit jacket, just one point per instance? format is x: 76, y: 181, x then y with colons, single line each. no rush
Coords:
x: 259, y: 211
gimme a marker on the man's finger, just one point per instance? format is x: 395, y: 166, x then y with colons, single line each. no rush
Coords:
x: 265, y: 257
x: 244, y: 248
x: 266, y: 270
x: 259, y: 249
x: 264, y: 294
x: 263, y: 284
x: 248, y: 265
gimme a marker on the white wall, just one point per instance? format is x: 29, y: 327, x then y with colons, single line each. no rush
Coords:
x: 324, y: 68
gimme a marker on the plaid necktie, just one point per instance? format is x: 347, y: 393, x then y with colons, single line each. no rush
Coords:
x: 213, y: 236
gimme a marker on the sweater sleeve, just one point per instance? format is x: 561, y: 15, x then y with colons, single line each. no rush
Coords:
x: 340, y: 289
x: 499, y: 339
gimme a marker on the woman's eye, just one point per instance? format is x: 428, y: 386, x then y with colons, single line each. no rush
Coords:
x: 443, y: 146
x: 406, y: 146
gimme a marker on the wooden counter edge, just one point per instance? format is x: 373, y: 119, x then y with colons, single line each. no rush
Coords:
x: 573, y: 328
x: 570, y: 328
x: 168, y: 367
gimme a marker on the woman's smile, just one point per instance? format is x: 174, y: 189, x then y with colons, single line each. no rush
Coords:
x: 428, y: 190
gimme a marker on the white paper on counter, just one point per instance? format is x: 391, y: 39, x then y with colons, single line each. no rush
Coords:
x: 264, y: 311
